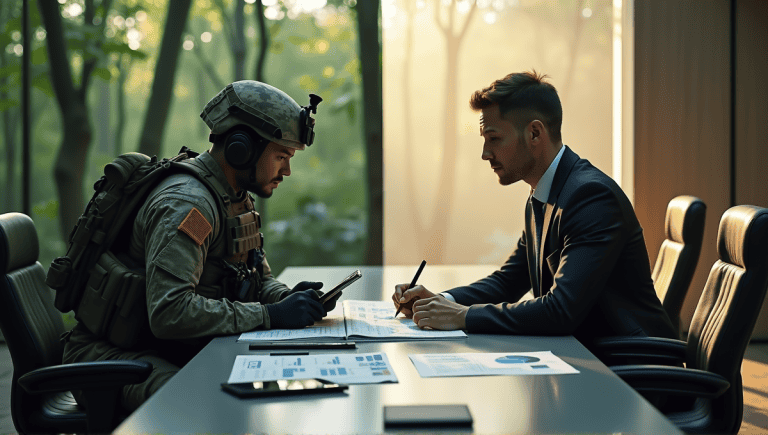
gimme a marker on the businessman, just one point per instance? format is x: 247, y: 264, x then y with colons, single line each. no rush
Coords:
x: 582, y: 249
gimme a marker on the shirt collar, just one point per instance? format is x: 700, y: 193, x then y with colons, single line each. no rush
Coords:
x: 545, y: 183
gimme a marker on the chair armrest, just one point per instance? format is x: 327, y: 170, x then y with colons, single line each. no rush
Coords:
x: 85, y: 376
x: 640, y: 350
x: 672, y: 380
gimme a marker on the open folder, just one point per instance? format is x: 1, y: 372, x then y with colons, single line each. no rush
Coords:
x: 360, y: 321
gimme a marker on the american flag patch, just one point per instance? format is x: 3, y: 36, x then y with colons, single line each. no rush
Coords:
x: 195, y: 226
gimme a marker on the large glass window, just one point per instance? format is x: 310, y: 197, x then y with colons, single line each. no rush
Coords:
x: 443, y: 203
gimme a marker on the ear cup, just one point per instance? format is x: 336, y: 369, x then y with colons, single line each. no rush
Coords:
x: 240, y: 150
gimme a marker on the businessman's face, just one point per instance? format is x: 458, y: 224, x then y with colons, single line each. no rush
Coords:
x: 504, y: 148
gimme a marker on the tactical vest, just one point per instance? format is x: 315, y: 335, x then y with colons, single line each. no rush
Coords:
x: 113, y: 304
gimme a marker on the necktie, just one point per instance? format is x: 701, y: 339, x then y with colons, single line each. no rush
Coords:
x: 538, y: 215
x: 538, y: 218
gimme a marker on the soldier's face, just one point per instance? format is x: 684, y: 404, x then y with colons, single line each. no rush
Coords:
x: 272, y: 166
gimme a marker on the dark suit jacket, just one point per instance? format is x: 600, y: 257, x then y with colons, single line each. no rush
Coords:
x: 595, y: 276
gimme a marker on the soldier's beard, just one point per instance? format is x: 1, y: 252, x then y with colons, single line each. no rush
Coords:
x: 250, y: 184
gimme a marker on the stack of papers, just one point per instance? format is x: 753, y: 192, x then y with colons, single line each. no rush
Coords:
x: 361, y: 321
x: 352, y: 368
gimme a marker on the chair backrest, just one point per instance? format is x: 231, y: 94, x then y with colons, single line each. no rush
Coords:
x: 30, y: 323
x: 729, y: 307
x: 679, y: 254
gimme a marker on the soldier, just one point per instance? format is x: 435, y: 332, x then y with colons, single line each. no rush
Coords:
x: 197, y: 239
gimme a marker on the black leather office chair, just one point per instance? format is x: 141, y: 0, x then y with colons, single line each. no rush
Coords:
x: 40, y: 397
x: 706, y: 395
x: 672, y: 275
x: 679, y: 253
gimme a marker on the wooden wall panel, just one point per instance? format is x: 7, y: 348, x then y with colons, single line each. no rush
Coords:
x: 682, y: 119
x: 751, y: 109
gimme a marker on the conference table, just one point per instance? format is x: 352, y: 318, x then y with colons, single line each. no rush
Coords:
x: 595, y: 400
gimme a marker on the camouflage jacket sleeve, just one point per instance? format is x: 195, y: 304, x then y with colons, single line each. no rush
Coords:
x: 272, y: 290
x: 174, y: 261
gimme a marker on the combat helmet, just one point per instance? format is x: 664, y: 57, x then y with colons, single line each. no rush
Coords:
x: 270, y: 112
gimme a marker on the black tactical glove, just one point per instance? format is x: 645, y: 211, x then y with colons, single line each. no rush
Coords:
x: 304, y: 285
x: 331, y: 303
x: 297, y: 310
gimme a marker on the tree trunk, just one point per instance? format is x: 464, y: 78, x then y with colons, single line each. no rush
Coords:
x: 9, y: 135
x: 238, y: 41
x: 165, y: 75
x: 370, y: 61
x: 71, y: 157
x: 258, y: 74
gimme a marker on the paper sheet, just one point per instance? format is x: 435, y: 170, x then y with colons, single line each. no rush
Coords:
x: 347, y: 368
x: 359, y: 321
x: 374, y: 319
x: 330, y: 327
x: 431, y: 365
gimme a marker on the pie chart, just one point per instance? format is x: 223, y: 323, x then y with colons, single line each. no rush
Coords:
x: 516, y: 359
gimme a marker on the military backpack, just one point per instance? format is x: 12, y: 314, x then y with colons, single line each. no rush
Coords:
x: 106, y: 292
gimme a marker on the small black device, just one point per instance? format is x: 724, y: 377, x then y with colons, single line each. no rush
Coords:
x: 282, y: 387
x: 427, y: 416
x: 341, y: 286
x: 306, y: 122
x: 302, y: 345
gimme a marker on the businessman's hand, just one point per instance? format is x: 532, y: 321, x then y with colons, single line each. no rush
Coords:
x: 406, y: 298
x: 438, y: 312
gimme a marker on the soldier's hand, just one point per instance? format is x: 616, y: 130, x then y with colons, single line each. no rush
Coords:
x: 298, y: 310
x: 331, y: 303
x: 304, y: 285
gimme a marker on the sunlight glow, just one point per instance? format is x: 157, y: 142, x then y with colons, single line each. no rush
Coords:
x: 328, y: 72
x: 141, y: 16
x: 586, y: 12
x: 118, y: 21
x: 130, y: 22
x: 490, y: 17
x: 463, y: 7
x: 322, y: 46
x: 188, y: 45
x: 134, y: 44
x: 206, y: 37
x: 273, y: 13
x: 617, y: 87
x: 74, y: 9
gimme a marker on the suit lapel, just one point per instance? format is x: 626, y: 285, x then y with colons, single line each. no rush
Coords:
x: 564, y: 167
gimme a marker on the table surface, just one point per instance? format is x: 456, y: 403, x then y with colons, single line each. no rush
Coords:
x: 595, y: 400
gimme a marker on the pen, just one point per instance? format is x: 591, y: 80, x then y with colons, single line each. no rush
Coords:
x: 413, y: 283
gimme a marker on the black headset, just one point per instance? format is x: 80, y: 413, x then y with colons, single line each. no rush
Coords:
x: 242, y: 148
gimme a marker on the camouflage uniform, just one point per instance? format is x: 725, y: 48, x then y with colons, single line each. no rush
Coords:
x: 187, y: 301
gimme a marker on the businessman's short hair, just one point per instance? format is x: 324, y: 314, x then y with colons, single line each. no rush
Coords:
x: 523, y: 97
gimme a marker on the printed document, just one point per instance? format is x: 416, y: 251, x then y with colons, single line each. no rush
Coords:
x: 360, y: 321
x: 343, y: 368
x: 432, y: 365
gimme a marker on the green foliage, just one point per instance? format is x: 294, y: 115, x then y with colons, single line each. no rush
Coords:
x: 319, y: 207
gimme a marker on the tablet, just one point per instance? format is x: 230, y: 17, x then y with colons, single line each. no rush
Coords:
x: 341, y: 286
x: 282, y: 387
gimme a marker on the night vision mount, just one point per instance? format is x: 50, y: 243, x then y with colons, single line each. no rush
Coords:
x: 306, y: 122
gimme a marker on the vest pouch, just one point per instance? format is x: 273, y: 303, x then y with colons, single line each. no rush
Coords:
x: 113, y: 304
x: 130, y: 316
x: 98, y: 302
